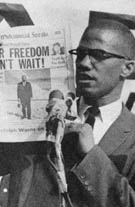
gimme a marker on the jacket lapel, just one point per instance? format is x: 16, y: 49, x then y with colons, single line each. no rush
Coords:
x: 118, y: 132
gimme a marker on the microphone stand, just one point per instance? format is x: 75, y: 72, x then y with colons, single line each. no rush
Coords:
x: 58, y: 166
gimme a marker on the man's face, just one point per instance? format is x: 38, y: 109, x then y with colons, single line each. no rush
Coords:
x: 23, y: 78
x: 57, y: 49
x: 97, y: 77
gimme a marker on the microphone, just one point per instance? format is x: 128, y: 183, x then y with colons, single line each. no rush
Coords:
x: 57, y: 110
x: 58, y: 106
x: 55, y: 126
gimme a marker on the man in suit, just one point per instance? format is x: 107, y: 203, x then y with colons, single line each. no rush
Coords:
x: 24, y: 95
x: 99, y: 159
x: 102, y: 171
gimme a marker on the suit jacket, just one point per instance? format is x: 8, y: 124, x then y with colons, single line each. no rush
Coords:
x: 105, y: 177
x: 24, y: 92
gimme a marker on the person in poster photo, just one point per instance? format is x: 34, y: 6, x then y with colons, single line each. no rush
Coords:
x: 57, y: 49
x: 24, y: 95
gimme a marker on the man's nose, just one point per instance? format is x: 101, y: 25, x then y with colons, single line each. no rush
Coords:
x: 86, y: 62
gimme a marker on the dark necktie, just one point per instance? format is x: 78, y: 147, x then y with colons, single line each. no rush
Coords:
x: 90, y: 115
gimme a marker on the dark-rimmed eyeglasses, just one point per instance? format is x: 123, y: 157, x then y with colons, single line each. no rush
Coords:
x: 97, y: 54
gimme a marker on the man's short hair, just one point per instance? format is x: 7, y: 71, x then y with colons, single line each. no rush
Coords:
x: 121, y: 31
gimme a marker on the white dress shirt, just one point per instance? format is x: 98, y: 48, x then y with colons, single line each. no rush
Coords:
x: 108, y: 114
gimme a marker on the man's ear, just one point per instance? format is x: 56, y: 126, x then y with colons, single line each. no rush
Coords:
x: 128, y: 68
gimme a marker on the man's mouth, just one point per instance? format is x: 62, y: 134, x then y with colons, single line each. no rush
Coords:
x: 84, y: 77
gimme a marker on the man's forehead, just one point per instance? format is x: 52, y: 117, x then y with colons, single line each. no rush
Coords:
x: 106, y: 26
x: 110, y: 36
x: 100, y: 36
x: 97, y: 34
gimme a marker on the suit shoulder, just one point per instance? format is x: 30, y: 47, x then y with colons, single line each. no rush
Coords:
x: 20, y: 83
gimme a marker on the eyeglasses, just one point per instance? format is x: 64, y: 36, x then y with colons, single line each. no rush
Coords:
x: 97, y: 54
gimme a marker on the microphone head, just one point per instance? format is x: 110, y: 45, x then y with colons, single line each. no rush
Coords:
x: 57, y: 106
x: 56, y: 94
x: 56, y: 98
x: 71, y: 95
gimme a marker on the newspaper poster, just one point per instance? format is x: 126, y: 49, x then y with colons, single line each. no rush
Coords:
x: 32, y: 62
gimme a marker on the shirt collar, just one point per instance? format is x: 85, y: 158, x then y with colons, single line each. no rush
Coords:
x: 107, y: 112
x: 111, y: 111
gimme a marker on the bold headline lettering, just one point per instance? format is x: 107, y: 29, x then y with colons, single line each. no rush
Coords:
x: 27, y: 58
x: 29, y: 52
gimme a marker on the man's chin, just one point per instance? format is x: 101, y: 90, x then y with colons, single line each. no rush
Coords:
x: 87, y: 92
